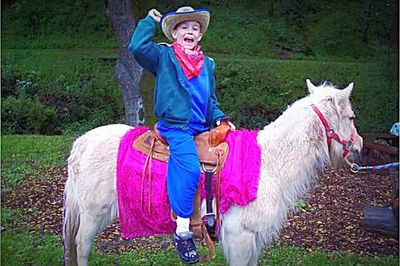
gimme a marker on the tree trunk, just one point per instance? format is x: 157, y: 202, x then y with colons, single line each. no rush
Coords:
x: 127, y: 71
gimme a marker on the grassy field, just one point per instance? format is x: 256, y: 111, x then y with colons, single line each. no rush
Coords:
x: 72, y: 53
x: 253, y: 91
x: 25, y: 249
x: 26, y: 158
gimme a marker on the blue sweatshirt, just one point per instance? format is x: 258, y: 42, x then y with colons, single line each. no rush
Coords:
x: 172, y: 100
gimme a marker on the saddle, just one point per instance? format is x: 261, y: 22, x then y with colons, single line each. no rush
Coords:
x: 212, y: 150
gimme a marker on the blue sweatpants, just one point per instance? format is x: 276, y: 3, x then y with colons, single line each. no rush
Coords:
x: 183, y: 173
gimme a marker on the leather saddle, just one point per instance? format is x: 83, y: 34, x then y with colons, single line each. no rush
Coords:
x: 212, y: 150
x: 211, y: 147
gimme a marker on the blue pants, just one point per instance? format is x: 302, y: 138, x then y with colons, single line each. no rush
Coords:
x: 183, y: 173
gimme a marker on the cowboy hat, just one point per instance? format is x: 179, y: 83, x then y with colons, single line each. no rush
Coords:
x: 171, y: 19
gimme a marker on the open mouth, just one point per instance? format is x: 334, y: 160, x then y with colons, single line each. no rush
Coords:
x: 188, y: 40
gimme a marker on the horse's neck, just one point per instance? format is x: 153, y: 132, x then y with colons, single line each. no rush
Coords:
x: 294, y: 149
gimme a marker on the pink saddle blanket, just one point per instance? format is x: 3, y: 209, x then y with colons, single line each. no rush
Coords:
x: 239, y: 183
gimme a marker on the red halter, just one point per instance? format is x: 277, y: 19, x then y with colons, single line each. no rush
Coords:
x: 331, y: 134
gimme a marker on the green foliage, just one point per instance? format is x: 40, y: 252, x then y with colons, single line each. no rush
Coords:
x: 25, y: 115
x: 82, y: 23
x: 255, y: 92
x: 341, y: 41
x: 305, y: 29
x: 38, y: 103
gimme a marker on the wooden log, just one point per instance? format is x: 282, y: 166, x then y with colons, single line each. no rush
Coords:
x: 380, y: 220
x: 382, y: 148
x: 374, y: 136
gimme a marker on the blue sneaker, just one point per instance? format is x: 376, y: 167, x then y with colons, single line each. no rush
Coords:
x: 186, y: 248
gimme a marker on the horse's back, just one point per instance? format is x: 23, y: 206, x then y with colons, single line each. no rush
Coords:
x: 92, y: 164
x: 106, y: 132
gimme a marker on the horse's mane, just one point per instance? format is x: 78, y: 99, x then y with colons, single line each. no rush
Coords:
x: 326, y: 83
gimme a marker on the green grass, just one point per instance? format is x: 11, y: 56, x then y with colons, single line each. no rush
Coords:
x: 53, y: 63
x: 24, y: 158
x: 296, y: 256
x: 25, y: 249
x: 308, y: 29
x: 268, y: 86
x: 245, y: 38
x: 249, y: 88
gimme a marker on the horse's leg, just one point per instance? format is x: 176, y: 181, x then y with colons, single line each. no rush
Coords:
x: 90, y: 225
x: 238, y: 243
x: 98, y: 211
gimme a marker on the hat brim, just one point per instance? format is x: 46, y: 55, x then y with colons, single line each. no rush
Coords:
x: 171, y: 19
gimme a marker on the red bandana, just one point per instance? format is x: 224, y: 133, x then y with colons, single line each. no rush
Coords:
x: 191, y: 60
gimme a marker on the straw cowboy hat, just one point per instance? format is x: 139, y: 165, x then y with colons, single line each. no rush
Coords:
x: 171, y: 19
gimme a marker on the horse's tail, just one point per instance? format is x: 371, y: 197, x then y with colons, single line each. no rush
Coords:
x: 71, y: 213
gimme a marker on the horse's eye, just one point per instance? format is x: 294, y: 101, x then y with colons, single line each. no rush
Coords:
x: 352, y: 117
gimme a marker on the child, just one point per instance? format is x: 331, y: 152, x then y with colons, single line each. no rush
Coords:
x: 184, y: 101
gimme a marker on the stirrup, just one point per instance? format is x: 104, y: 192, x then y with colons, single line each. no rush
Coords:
x: 210, y: 222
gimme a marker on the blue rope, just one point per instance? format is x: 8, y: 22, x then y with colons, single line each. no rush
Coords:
x: 356, y: 168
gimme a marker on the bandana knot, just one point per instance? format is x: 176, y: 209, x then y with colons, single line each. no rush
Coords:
x: 191, y: 61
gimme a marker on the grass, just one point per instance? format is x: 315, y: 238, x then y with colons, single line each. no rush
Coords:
x: 54, y: 63
x: 23, y: 156
x: 244, y: 84
x: 26, y: 249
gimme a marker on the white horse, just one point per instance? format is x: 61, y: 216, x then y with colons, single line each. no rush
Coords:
x: 293, y: 149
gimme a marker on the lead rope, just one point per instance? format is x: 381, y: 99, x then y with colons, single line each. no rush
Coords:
x: 209, y: 243
x: 355, y: 168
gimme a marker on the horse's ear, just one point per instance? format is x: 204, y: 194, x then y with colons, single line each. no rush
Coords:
x: 346, y: 92
x: 311, y: 87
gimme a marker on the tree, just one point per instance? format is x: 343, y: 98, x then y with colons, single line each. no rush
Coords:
x: 127, y: 71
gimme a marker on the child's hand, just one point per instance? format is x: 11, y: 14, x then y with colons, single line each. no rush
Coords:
x: 155, y: 14
x: 226, y: 122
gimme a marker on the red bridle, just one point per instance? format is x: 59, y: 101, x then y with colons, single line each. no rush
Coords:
x: 331, y: 134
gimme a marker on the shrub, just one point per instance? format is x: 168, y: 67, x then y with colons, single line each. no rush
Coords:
x: 87, y: 94
x: 26, y: 115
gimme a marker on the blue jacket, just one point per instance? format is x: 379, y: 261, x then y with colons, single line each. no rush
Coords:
x: 172, y: 101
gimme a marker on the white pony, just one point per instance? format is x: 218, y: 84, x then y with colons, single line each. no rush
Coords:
x: 293, y: 149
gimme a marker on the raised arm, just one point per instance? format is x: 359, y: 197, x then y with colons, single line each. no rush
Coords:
x: 145, y: 51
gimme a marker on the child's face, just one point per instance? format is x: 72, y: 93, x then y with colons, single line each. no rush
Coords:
x: 187, y: 34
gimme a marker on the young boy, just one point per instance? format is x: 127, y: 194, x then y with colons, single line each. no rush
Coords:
x: 184, y: 101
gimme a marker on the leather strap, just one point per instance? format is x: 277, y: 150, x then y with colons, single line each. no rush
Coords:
x: 148, y: 162
x: 331, y: 134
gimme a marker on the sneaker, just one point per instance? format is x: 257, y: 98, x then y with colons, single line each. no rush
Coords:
x: 186, y: 248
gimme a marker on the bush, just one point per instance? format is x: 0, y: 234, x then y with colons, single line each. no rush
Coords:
x: 88, y: 95
x: 26, y: 115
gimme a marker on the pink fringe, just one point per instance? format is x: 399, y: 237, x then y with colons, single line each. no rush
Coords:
x: 239, y: 183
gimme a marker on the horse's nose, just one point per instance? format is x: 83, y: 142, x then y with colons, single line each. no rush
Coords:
x: 357, y: 152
